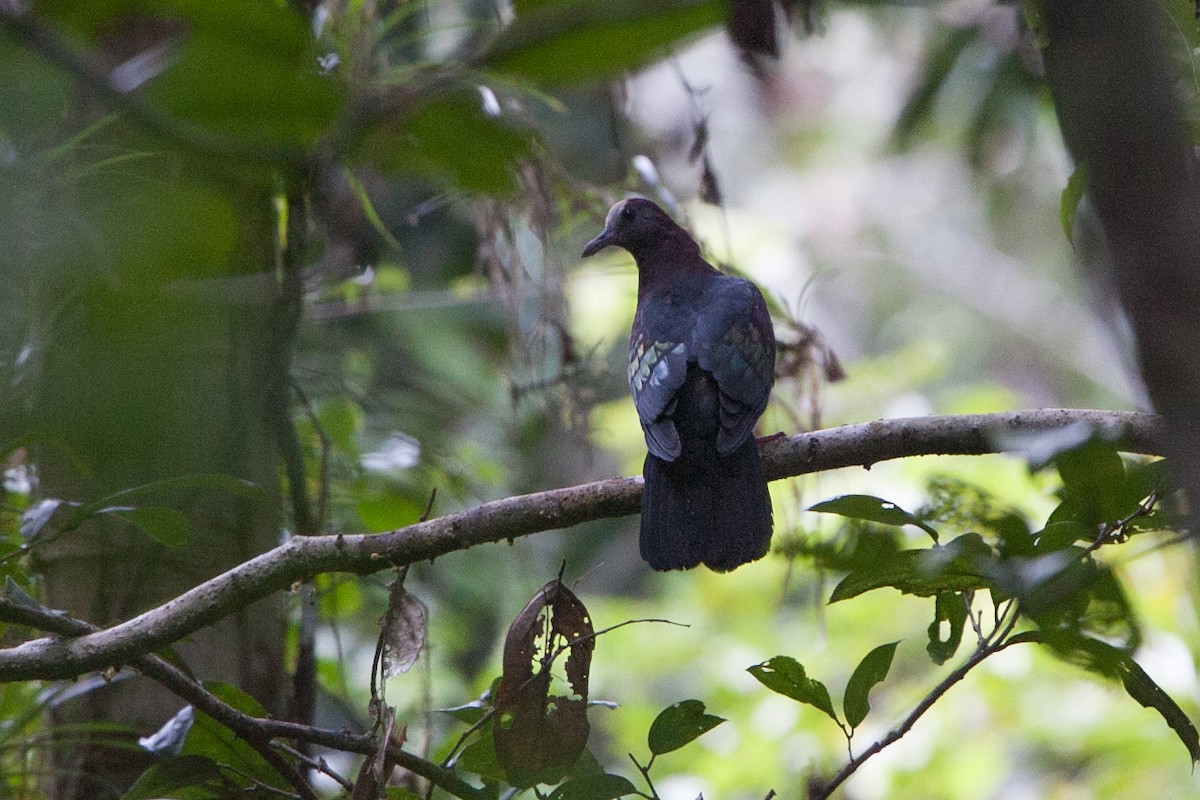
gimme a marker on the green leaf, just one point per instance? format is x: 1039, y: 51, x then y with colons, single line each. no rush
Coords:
x: 341, y: 420
x: 1059, y: 535
x: 1114, y: 663
x: 1042, y: 447
x: 678, y: 725
x: 480, y: 757
x: 950, y: 609
x: 786, y: 676
x: 869, y: 672
x: 585, y: 766
x: 385, y: 511
x: 872, y: 509
x: 34, y: 97
x: 160, y: 521
x: 164, y: 525
x: 451, y: 140
x: 1071, y: 197
x: 181, y: 484
x: 167, y: 778
x: 604, y: 786
x: 211, y: 739
x: 1069, y: 595
x: 16, y: 594
x: 939, y: 59
x: 1152, y: 476
x: 1093, y: 478
x: 287, y: 103
x: 961, y: 565
x: 161, y: 230
x: 1142, y: 688
x: 1035, y: 20
x: 401, y: 793
x: 578, y: 41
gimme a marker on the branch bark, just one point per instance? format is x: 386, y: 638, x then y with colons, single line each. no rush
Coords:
x: 175, y: 680
x: 303, y: 558
x: 258, y: 732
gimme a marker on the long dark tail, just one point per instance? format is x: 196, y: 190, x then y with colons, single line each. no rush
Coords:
x: 713, y: 510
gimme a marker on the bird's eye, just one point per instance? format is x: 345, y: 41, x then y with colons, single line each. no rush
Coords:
x: 627, y: 213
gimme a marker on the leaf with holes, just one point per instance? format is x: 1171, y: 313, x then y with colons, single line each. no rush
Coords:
x: 786, y: 676
x: 403, y: 634
x: 538, y: 735
x: 949, y: 609
x: 872, y: 509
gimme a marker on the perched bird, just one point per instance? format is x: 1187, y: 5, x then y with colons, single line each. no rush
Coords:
x: 701, y: 365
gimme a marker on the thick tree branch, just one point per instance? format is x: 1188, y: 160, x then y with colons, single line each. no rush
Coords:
x: 303, y: 558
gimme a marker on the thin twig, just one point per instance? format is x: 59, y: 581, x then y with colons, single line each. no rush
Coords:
x: 1114, y: 532
x: 259, y: 785
x: 177, y: 681
x: 976, y: 620
x: 366, y: 744
x: 257, y: 732
x: 994, y: 644
x: 646, y: 776
x: 317, y: 764
x: 589, y: 637
x: 324, y: 444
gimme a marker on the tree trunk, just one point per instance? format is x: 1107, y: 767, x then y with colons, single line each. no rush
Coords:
x: 146, y: 372
x: 1107, y: 65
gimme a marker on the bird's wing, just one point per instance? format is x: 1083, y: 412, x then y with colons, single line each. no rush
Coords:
x: 735, y: 342
x: 656, y: 371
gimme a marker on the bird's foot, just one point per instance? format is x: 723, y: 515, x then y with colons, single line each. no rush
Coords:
x: 774, y: 437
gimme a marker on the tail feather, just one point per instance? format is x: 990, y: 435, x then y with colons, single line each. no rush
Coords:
x: 714, y: 511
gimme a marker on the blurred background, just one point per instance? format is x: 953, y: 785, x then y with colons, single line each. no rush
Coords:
x: 333, y: 250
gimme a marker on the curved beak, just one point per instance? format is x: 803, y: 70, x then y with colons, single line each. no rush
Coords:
x: 602, y: 241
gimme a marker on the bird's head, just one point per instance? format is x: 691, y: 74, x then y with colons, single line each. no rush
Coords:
x: 635, y: 224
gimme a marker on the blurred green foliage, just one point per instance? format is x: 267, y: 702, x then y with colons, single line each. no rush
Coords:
x: 429, y: 171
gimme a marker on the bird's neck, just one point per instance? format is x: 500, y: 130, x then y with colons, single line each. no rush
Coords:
x: 668, y: 259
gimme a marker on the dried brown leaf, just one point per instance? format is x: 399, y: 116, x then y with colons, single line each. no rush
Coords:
x: 538, y: 735
x: 404, y: 625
